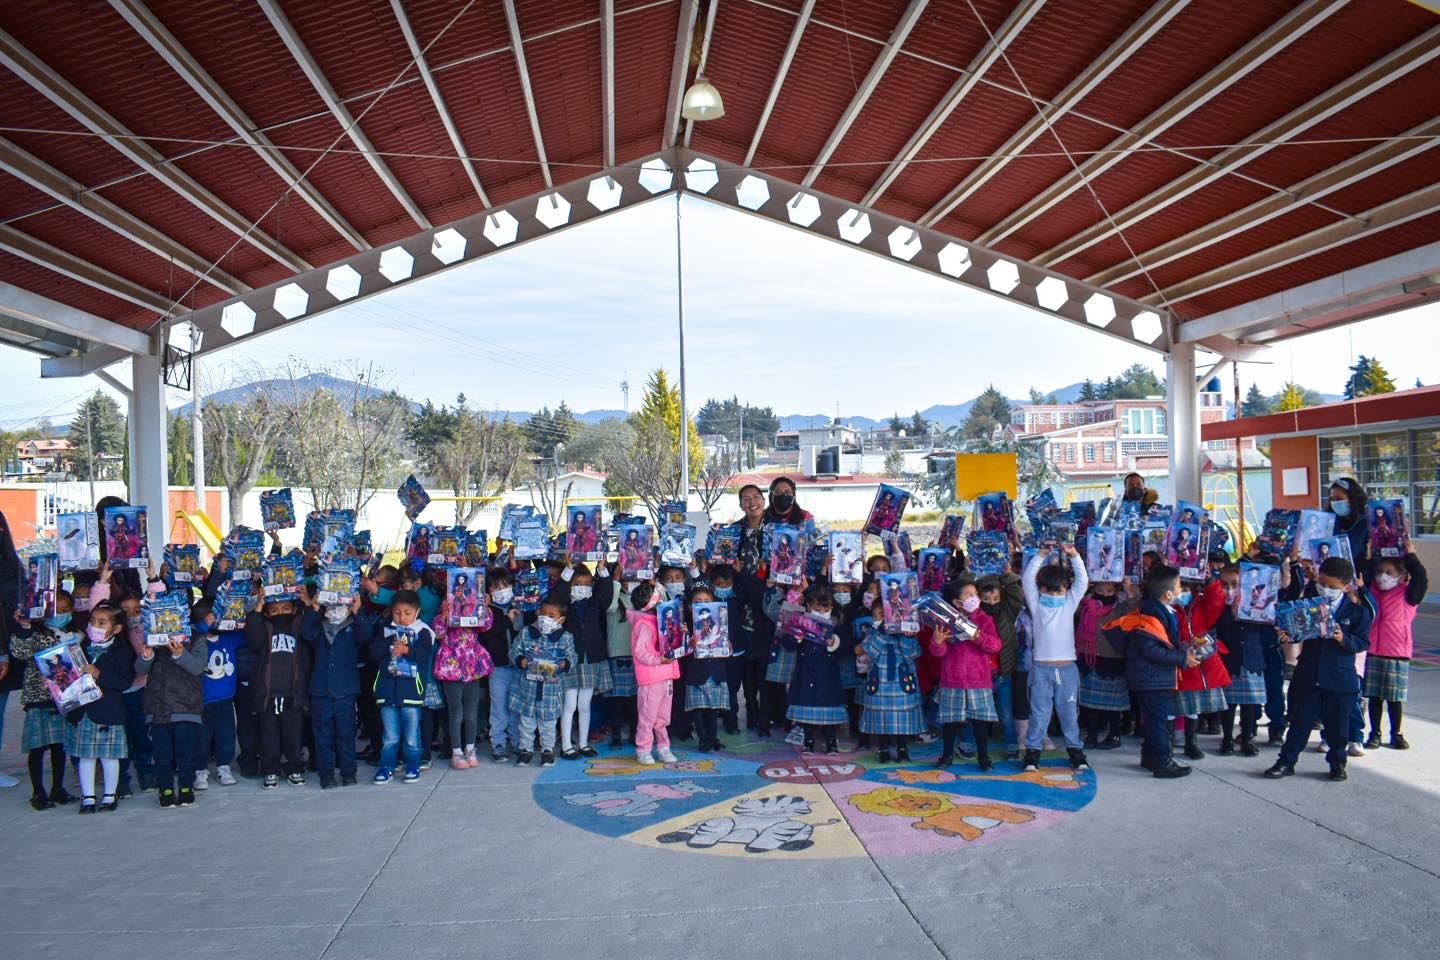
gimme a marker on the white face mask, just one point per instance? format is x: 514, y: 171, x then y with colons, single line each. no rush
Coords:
x: 581, y: 593
x: 337, y: 613
x: 547, y: 625
x: 673, y: 590
x: 1387, y: 581
x: 1333, y: 594
x: 842, y: 598
x: 1230, y: 594
x: 503, y: 596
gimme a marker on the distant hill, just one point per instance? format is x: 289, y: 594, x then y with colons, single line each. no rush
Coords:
x: 289, y: 389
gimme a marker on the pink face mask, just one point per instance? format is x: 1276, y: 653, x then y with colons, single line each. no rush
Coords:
x: 654, y: 601
x: 95, y: 634
x: 970, y: 604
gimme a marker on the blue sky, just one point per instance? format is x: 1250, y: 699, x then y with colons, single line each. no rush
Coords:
x: 773, y: 315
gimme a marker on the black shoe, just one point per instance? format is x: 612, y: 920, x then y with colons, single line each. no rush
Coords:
x: 1373, y: 743
x: 522, y: 759
x: 1281, y: 769
x: 1111, y: 742
x: 168, y: 798
x: 1193, y: 751
x: 985, y: 763
x: 763, y: 730
x: 571, y: 754
x: 186, y: 798
x: 347, y: 779
x: 1248, y: 748
x: 944, y: 761
x: 965, y: 753
x: 1398, y: 742
x: 731, y: 726
x: 87, y: 805
x: 882, y: 757
x: 1077, y: 759
x: 328, y: 783
x: 547, y: 758
x: 1276, y: 738
x: 615, y: 741
x: 1227, y: 747
x: 588, y: 751
x: 60, y: 797
x: 1089, y: 743
x: 109, y: 805
x: 809, y: 745
x: 863, y: 741
x: 1171, y: 771
x: 703, y: 747
x: 1147, y: 763
x: 902, y: 755
x: 831, y: 747
x: 41, y: 802
x: 1337, y: 772
x: 1032, y: 761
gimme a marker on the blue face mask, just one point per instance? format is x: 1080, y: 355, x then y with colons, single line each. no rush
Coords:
x: 1052, y: 601
x: 1183, y: 600
x: 384, y: 596
x: 58, y: 622
x: 724, y: 593
x: 1341, y: 507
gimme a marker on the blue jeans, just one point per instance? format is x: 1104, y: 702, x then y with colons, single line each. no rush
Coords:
x: 1058, y: 687
x: 1004, y: 705
x: 392, y: 718
x: 504, y: 723
x: 217, y: 734
x: 1275, y: 688
x: 333, y: 721
x: 177, y: 748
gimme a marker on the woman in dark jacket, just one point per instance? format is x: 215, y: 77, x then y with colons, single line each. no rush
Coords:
x: 1348, y: 501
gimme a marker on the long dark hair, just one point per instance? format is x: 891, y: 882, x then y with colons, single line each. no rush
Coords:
x: 1357, y: 496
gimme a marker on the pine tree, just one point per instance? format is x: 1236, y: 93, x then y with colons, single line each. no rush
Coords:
x: 918, y: 426
x: 1087, y: 391
x: 896, y: 424
x: 1367, y: 378
x: 1255, y: 404
x: 661, y: 405
x: 1292, y: 397
x: 990, y: 410
x: 98, y: 429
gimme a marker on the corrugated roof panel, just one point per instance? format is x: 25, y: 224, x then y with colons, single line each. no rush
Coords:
x: 745, y: 53
x: 565, y: 76
x: 644, y: 50
x: 71, y: 230
x: 480, y: 29
x: 18, y: 199
x: 493, y: 125
x: 36, y: 279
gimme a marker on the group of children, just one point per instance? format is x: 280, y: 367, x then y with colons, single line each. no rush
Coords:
x: 298, y: 682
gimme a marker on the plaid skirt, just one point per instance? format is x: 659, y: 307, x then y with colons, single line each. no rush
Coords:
x: 1246, y: 688
x: 711, y: 695
x: 781, y: 668
x: 958, y: 705
x: 43, y: 727
x: 622, y: 678
x: 890, y: 711
x: 589, y: 673
x: 1387, y: 678
x: 543, y: 703
x: 849, y: 679
x: 1188, y: 703
x: 86, y: 739
x: 818, y: 715
x: 434, y: 696
x: 1104, y: 693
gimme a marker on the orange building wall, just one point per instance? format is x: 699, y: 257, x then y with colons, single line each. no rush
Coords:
x: 183, y: 498
x: 1290, y: 452
x: 21, y: 507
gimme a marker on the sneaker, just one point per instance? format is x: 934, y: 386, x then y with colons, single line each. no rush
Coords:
x: 547, y: 758
x: 168, y: 798
x: 1398, y: 742
x: 522, y: 759
x: 644, y: 760
x: 223, y: 774
x: 425, y: 766
x: 383, y: 776
x: 1077, y: 760
x: 1355, y: 750
x: 187, y: 798
x: 202, y: 779
x: 1373, y: 742
x: 272, y: 780
x: 471, y: 760
x: 926, y: 737
x: 347, y: 779
x: 327, y: 783
x: 457, y: 762
x: 412, y: 774
x: 665, y: 755
x: 831, y: 747
x: 1111, y: 742
x: 1171, y: 771
x: 297, y: 779
x: 1322, y: 746
x: 1281, y: 769
x: 796, y: 736
x: 500, y: 755
x: 1032, y: 761
x: 7, y: 781
x: 589, y: 752
x: 1337, y: 772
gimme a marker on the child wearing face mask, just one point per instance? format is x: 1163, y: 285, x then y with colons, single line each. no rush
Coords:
x: 505, y: 620
x: 621, y: 698
x: 1003, y: 597
x: 722, y: 580
x: 1325, y: 683
x: 590, y: 601
x: 335, y: 634
x: 966, y: 694
x: 707, y: 693
x: 96, y: 732
x: 816, y: 698
x: 847, y: 601
x: 460, y: 662
x: 672, y: 581
x: 1397, y: 591
x: 544, y: 652
x: 1054, y: 678
x: 217, y: 729
x: 655, y: 675
x: 279, y: 689
x: 174, y: 704
x: 44, y: 727
x: 402, y: 646
x: 1104, y: 697
x: 1242, y: 649
x: 1201, y: 689
x: 893, y: 712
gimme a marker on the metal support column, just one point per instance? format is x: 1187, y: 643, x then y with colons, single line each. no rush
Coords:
x: 1183, y: 416
x: 150, y: 461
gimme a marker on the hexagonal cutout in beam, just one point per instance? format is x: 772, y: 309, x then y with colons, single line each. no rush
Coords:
x: 1099, y: 310
x: 803, y: 209
x: 237, y: 319
x: 291, y: 301
x: 396, y: 264
x: 854, y: 225
x: 552, y: 210
x: 448, y: 246
x: 501, y: 228
x: 343, y: 282
x: 1146, y: 326
x: 752, y: 193
x: 954, y: 260
x: 1051, y: 293
x: 656, y: 175
x: 604, y: 194
x: 1003, y: 276
x: 904, y: 243
x: 700, y: 176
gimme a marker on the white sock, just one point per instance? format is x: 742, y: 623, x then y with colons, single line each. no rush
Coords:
x: 111, y: 769
x: 584, y: 703
x: 567, y: 717
x: 87, y: 777
x: 455, y: 752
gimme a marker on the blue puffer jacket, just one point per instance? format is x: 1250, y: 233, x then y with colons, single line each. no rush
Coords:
x: 335, y: 671
x: 1151, y: 639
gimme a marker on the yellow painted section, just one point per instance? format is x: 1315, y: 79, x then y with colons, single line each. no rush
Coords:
x: 205, y: 530
x: 829, y: 831
x: 977, y: 474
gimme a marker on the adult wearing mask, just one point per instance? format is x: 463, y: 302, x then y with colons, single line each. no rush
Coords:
x: 783, y: 508
x: 1136, y: 492
x: 11, y: 674
x: 1348, y: 501
x: 756, y: 631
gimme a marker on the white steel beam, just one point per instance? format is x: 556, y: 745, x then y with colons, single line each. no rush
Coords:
x: 155, y: 33
x: 1369, y: 163
x: 679, y: 69
x: 1412, y: 206
x: 888, y: 53
x: 148, y: 426
x: 1182, y: 410
x: 517, y: 46
x: 988, y: 56
x: 1138, y: 34
x: 91, y: 361
x: 67, y: 264
x: 704, y: 55
x: 1221, y: 78
x: 311, y: 68
x: 607, y: 79
x: 1396, y: 64
x: 67, y: 97
x: 417, y: 53
x: 54, y: 315
x: 75, y: 195
x: 1384, y: 286
x: 791, y: 46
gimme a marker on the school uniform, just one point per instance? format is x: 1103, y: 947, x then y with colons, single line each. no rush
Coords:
x: 1325, y: 686
x: 536, y: 698
x: 1392, y: 640
x: 44, y: 727
x: 1102, y: 668
x: 892, y: 692
x: 1153, y: 658
x: 174, y: 705
x: 656, y: 677
x: 1201, y: 688
x: 965, y: 687
x: 1242, y: 650
x: 586, y: 622
x: 815, y: 696
x: 334, y: 687
x: 97, y: 730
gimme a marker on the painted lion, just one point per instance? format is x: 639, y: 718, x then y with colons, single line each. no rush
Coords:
x: 937, y: 813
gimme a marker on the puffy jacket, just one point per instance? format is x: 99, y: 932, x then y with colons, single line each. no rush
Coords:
x: 1243, y: 643
x: 1004, y: 613
x: 1196, y: 620
x: 459, y: 655
x: 175, y: 691
x: 1153, y: 654
x: 650, y: 666
x: 1392, y: 634
x: 1328, y: 665
x: 397, y: 690
x: 333, y: 670
x: 965, y: 664
x: 117, y: 672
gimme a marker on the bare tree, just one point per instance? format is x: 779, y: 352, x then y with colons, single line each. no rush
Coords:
x: 479, y: 459
x: 649, y: 467
x: 240, y: 438
x: 547, y: 493
x: 716, y: 476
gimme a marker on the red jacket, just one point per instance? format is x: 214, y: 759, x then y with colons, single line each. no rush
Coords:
x: 966, y: 663
x: 1199, y: 618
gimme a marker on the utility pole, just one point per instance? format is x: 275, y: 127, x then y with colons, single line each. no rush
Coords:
x: 90, y: 447
x: 197, y: 422
x: 680, y: 314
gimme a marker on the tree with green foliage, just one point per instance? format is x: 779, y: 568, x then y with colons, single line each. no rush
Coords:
x: 919, y: 426
x: 1367, y: 378
x: 989, y: 411
x: 738, y: 422
x: 1087, y: 391
x: 1291, y: 397
x: 180, y: 446
x: 592, y: 443
x: 1255, y: 403
x: 546, y: 430
x: 97, y: 430
x: 1036, y: 396
x: 649, y: 467
x: 896, y: 424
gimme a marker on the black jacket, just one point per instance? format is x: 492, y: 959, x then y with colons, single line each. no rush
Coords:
x: 586, y: 623
x: 1244, y: 643
x: 1152, y: 661
x: 1327, y: 664
x: 496, y: 638
x: 10, y: 575
x: 258, y: 632
x: 117, y: 673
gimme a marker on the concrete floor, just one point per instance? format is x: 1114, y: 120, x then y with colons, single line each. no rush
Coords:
x: 1221, y: 864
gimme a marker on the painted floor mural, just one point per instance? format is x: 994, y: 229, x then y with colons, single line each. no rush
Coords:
x: 767, y: 798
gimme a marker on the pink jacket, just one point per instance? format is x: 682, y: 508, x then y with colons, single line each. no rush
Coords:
x: 650, y: 666
x: 459, y: 656
x: 966, y: 664
x: 1391, y: 634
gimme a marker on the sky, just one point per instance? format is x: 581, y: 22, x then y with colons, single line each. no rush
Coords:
x: 772, y: 315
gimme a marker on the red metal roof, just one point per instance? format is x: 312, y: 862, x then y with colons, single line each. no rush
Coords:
x: 1417, y: 404
x: 360, y: 49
